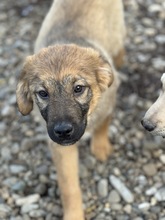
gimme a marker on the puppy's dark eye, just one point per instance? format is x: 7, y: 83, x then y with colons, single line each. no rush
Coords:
x: 43, y: 94
x: 79, y: 89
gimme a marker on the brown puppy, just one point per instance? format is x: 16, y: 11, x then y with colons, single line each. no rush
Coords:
x: 73, y: 83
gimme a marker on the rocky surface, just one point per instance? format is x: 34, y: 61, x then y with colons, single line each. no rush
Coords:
x: 28, y: 182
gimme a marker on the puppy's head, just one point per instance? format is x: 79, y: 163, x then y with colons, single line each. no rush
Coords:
x: 154, y: 119
x: 66, y: 83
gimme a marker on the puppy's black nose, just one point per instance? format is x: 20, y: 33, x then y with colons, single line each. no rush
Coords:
x: 63, y: 130
x: 148, y: 125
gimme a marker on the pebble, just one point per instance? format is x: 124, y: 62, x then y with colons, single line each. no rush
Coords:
x: 116, y: 206
x: 158, y: 64
x: 114, y: 197
x: 16, y: 168
x: 160, y: 39
x: 57, y: 210
x: 151, y: 191
x: 28, y: 199
x: 150, y: 169
x: 102, y: 188
x: 144, y: 206
x: 138, y: 218
x: 41, y: 189
x: 37, y: 213
x: 160, y: 194
x: 4, y: 210
x: 154, y: 8
x: 83, y: 171
x: 90, y: 162
x: 122, y: 189
x: 19, y: 186
x: 42, y: 169
x: 162, y: 158
x: 7, y: 110
x: 128, y: 208
x: 10, y: 181
x: 122, y: 217
x: 6, y: 153
x: 26, y: 208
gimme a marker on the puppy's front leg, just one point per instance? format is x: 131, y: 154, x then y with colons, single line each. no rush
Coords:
x: 66, y: 162
x: 100, y: 145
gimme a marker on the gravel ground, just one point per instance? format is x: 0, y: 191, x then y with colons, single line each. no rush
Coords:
x: 131, y: 184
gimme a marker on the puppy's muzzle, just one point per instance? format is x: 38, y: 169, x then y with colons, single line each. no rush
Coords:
x: 66, y: 132
x: 63, y: 130
x: 148, y: 125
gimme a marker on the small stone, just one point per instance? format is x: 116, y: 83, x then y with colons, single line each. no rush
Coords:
x: 158, y: 63
x: 153, y: 201
x: 102, y: 188
x: 150, y: 32
x: 150, y: 169
x: 155, y: 209
x: 10, y: 181
x: 116, y: 206
x: 144, y: 206
x: 6, y: 154
x: 162, y: 158
x: 160, y: 39
x: 83, y: 171
x: 15, y: 148
x: 42, y: 169
x: 4, y: 210
x: 147, y: 22
x: 154, y: 8
x: 57, y: 210
x: 26, y: 208
x: 142, y: 180
x: 128, y: 208
x: 101, y: 216
x: 16, y: 168
x: 41, y: 189
x: 19, y: 186
x: 18, y: 218
x: 114, y: 197
x: 160, y: 194
x: 7, y: 110
x: 3, y: 62
x: 52, y: 192
x: 122, y: 217
x: 107, y: 209
x: 122, y: 189
x: 90, y: 162
x: 151, y: 191
x: 37, y: 213
x: 133, y: 97
x: 3, y: 127
x: 12, y: 100
x: 116, y: 171
x: 143, y: 58
x: 138, y: 218
x: 27, y: 200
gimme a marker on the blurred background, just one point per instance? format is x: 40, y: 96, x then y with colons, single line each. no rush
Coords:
x: 28, y: 182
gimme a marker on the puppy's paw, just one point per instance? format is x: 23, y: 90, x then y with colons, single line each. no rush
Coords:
x: 101, y: 149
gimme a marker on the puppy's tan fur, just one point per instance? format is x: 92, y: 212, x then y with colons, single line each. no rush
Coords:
x: 76, y: 43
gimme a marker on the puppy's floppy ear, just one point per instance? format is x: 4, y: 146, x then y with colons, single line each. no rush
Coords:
x: 24, y: 99
x: 105, y: 74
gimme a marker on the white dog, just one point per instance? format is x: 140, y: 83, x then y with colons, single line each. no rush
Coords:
x: 154, y: 119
